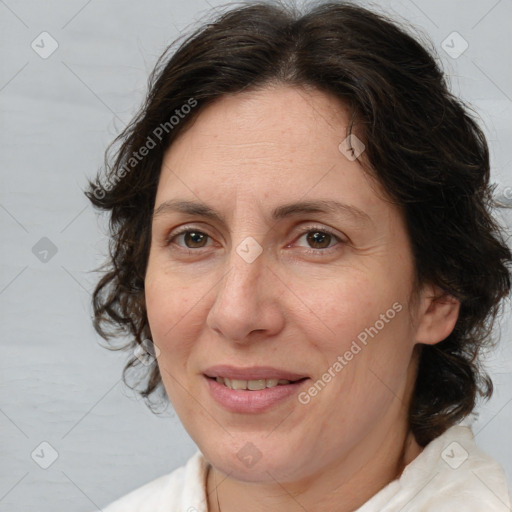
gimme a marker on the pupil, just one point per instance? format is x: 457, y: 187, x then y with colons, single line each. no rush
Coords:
x: 317, y: 237
x: 191, y: 235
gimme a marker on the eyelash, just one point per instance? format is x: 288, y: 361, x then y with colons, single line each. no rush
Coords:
x: 310, y: 229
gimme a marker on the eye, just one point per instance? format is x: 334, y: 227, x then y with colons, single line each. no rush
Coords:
x: 319, y: 239
x: 192, y: 238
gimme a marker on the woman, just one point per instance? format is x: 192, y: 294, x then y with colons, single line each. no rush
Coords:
x: 302, y: 238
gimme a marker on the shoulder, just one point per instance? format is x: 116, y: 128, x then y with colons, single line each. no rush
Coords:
x: 466, y: 476
x: 183, y: 489
x: 451, y: 473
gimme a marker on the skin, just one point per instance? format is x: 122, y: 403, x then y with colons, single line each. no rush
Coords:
x: 245, y: 155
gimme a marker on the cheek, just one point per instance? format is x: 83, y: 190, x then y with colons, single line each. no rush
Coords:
x: 361, y: 317
x: 165, y: 308
x: 337, y: 309
x: 168, y: 308
x: 167, y: 298
x: 160, y: 306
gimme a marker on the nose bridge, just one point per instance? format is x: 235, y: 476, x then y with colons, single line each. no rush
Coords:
x: 246, y: 255
x: 243, y: 301
x: 246, y: 267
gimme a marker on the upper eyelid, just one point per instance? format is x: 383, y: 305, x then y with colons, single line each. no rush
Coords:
x: 302, y: 231
x: 191, y: 227
x: 184, y: 229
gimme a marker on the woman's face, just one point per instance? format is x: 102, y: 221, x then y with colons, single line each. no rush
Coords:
x: 321, y: 293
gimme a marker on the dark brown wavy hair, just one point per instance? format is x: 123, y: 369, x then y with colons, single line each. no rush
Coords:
x: 423, y: 145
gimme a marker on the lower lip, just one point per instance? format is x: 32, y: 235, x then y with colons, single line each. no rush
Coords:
x: 246, y: 401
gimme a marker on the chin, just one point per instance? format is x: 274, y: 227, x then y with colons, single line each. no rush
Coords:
x: 255, y: 461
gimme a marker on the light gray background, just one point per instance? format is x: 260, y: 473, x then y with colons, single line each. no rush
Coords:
x: 57, y: 116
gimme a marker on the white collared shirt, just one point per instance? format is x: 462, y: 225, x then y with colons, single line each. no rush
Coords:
x: 450, y: 475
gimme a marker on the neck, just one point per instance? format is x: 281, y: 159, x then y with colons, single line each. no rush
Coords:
x: 321, y: 492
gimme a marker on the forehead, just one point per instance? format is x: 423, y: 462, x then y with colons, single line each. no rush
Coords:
x: 282, y: 113
x: 277, y: 143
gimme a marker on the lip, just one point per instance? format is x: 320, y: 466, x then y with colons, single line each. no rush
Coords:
x: 251, y: 373
x: 246, y: 401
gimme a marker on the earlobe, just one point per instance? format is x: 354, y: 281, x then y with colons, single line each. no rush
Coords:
x: 438, y: 313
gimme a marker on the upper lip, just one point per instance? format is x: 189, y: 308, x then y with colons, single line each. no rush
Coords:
x: 251, y: 373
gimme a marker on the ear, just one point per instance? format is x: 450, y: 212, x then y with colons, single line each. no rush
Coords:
x: 437, y: 312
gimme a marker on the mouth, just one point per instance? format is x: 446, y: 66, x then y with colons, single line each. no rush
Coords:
x: 253, y: 384
x: 252, y: 390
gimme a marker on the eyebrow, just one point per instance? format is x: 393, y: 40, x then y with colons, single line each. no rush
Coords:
x: 279, y: 213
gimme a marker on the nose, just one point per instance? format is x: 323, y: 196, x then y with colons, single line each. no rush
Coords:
x: 247, y: 299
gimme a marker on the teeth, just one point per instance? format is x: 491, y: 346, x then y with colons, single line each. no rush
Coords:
x: 252, y: 385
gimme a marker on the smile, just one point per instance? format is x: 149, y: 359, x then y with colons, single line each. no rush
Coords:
x: 251, y: 396
x: 252, y: 385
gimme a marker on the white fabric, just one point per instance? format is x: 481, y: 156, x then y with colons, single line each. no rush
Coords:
x: 450, y: 475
